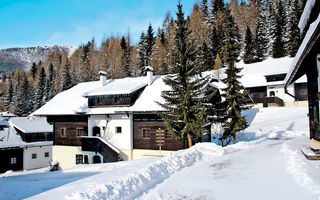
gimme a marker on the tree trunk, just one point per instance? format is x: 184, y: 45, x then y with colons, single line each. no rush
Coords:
x: 189, y: 140
x: 234, y: 139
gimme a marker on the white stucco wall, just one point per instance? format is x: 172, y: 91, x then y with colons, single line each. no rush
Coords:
x: 123, y: 140
x: 279, y: 92
x: 40, y: 161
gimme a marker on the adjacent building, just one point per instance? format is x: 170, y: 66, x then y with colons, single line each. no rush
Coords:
x: 25, y: 143
x: 307, y: 62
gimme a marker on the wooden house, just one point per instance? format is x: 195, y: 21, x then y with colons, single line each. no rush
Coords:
x: 25, y: 143
x: 109, y: 120
x: 265, y: 83
x: 307, y: 62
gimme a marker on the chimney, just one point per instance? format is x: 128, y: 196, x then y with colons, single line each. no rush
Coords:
x: 103, y: 78
x: 149, y: 71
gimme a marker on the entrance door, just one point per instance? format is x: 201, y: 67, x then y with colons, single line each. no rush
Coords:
x: 96, y: 159
x: 96, y: 131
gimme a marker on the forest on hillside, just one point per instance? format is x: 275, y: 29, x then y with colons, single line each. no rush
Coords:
x: 263, y: 28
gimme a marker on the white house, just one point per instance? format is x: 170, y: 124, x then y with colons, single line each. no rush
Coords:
x: 25, y: 144
x: 108, y: 120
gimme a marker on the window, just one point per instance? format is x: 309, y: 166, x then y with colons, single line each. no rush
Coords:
x: 63, y: 132
x: 146, y: 133
x: 79, y: 132
x: 167, y: 135
x: 79, y: 159
x: 46, y: 154
x: 34, y: 156
x: 118, y: 129
x: 272, y: 94
x: 13, y: 160
x: 86, y: 159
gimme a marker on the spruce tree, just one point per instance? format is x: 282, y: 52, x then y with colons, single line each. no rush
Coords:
x: 150, y: 41
x: 235, y: 96
x: 248, y: 49
x: 65, y: 76
x: 216, y: 5
x: 40, y: 89
x: 293, y: 29
x: 49, y: 84
x: 184, y: 114
x: 24, y: 101
x: 125, y: 58
x: 204, y: 10
x: 261, y: 41
x: 278, y: 46
x: 33, y: 70
x: 142, y: 54
x: 9, y: 96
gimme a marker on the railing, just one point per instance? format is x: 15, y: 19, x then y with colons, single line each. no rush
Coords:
x: 98, y: 145
x: 275, y: 100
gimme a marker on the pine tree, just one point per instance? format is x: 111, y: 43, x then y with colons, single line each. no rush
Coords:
x: 49, y: 84
x: 278, y: 46
x: 235, y: 96
x: 248, y: 51
x: 24, y: 100
x: 40, y: 89
x: 125, y: 59
x: 204, y: 10
x: 9, y: 96
x: 150, y: 41
x: 261, y: 41
x: 33, y: 70
x: 142, y: 52
x: 293, y: 29
x: 65, y: 76
x: 216, y: 5
x: 184, y: 114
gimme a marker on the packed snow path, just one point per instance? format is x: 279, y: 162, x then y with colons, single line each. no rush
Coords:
x: 265, y: 164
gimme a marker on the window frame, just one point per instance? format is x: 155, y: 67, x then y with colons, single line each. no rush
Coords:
x: 13, y: 160
x: 34, y: 156
x: 116, y: 129
x: 46, y: 154
x: 147, y: 131
x: 79, y: 159
x: 81, y: 132
x: 64, y: 132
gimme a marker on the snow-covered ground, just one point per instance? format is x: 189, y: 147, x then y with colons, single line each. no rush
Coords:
x: 266, y: 163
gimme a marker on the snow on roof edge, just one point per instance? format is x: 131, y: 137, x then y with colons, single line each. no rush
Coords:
x: 306, y: 15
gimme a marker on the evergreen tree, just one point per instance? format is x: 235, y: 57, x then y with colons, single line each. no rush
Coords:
x: 4, y: 78
x: 278, y: 46
x: 293, y: 29
x: 24, y: 100
x: 216, y: 5
x: 235, y: 96
x: 9, y: 96
x: 184, y: 114
x: 33, y: 70
x: 142, y: 54
x: 84, y: 65
x: 49, y: 84
x: 125, y: 59
x: 65, y: 76
x: 248, y: 51
x: 150, y: 41
x: 40, y: 89
x: 261, y: 41
x: 204, y: 10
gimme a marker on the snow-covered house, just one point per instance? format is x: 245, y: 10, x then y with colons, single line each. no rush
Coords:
x: 107, y: 120
x: 265, y: 83
x: 307, y: 62
x: 6, y: 115
x: 25, y: 143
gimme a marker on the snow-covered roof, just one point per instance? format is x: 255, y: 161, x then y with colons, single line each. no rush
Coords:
x: 303, y: 50
x: 306, y: 14
x: 119, y: 86
x: 9, y: 138
x: 254, y: 75
x: 31, y: 124
x: 7, y: 114
x: 73, y: 101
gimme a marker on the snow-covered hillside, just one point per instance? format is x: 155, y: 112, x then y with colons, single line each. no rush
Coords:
x: 265, y: 164
x: 23, y: 58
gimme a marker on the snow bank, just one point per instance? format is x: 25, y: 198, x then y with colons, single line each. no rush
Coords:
x: 135, y: 184
x: 298, y: 167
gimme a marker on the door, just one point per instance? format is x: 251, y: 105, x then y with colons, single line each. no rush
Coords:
x: 96, y: 131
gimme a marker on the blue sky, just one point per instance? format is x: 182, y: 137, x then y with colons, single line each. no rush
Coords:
x: 73, y: 22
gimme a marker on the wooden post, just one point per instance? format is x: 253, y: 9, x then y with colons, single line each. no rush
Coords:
x: 160, y: 139
x: 189, y: 140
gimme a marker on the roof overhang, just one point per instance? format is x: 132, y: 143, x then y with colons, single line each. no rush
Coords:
x: 308, y: 43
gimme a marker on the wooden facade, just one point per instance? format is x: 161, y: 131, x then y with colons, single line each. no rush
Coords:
x: 258, y: 94
x: 11, y: 159
x: 144, y: 136
x: 35, y: 137
x: 71, y: 126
